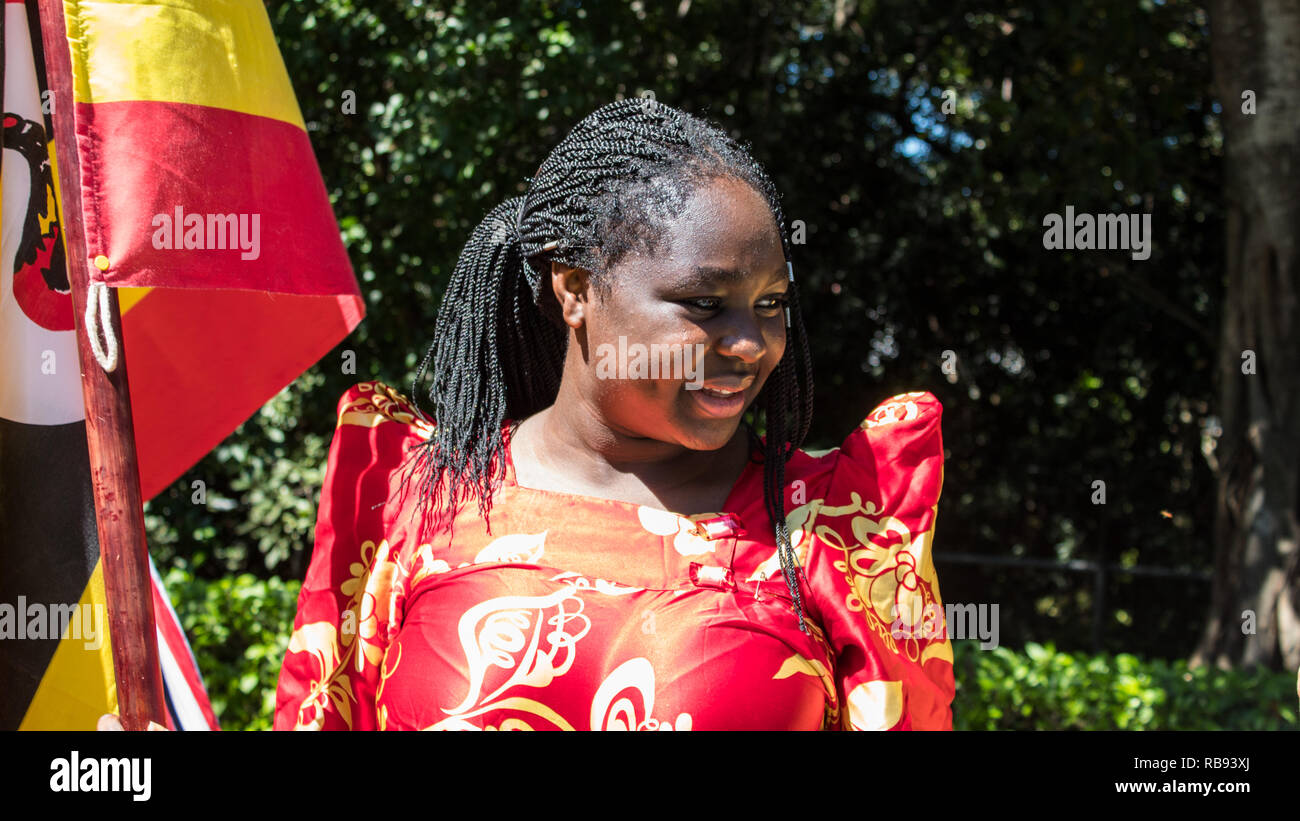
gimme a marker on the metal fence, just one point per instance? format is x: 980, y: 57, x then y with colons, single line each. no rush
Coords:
x: 1100, y: 570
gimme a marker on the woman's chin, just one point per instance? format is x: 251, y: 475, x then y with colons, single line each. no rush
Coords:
x: 711, y: 434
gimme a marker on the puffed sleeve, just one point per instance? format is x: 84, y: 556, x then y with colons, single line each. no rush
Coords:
x: 872, y: 575
x: 351, y: 598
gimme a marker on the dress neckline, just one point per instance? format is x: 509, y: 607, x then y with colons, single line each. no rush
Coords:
x: 728, y: 506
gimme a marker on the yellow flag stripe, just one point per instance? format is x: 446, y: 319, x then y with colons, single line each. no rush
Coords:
x: 218, y: 53
x: 78, y: 687
x: 128, y: 297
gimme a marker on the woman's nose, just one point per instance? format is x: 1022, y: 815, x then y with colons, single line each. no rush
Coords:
x: 743, y: 340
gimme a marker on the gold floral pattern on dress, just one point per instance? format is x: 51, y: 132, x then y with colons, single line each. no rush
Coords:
x: 531, y: 708
x: 378, y: 403
x: 320, y: 641
x: 888, y: 570
x: 372, y: 589
x: 533, y: 638
x: 625, y: 700
x: 900, y: 408
x: 798, y: 523
x: 370, y: 610
x: 392, y: 660
x: 520, y: 548
x: 874, y: 705
x: 424, y: 565
x: 576, y: 579
x: 824, y: 670
x: 686, y: 536
x: 810, y: 667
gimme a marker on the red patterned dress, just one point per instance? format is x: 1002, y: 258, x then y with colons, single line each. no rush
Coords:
x: 578, y: 613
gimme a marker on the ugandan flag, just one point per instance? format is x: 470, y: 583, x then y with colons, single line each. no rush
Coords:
x: 203, y: 204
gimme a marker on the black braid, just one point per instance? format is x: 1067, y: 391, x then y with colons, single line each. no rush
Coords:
x: 609, y: 188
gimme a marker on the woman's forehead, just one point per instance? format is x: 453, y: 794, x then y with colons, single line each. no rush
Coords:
x: 726, y: 235
x: 726, y: 211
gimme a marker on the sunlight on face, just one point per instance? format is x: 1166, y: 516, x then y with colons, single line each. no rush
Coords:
x: 717, y: 289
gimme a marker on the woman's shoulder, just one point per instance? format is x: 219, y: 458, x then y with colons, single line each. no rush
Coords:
x: 884, y: 478
x: 374, y: 403
x: 879, y: 488
x: 375, y: 434
x: 867, y: 541
x: 899, y: 435
x: 903, y: 431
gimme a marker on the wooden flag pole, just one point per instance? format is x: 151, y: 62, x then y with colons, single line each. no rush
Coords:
x: 110, y: 434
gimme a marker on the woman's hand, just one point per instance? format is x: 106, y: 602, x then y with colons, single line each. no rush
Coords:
x: 109, y: 721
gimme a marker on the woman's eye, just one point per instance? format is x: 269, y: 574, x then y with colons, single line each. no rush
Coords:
x: 776, y: 302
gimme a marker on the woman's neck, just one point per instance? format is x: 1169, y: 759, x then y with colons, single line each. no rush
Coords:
x: 572, y: 452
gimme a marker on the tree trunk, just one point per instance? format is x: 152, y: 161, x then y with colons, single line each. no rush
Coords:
x: 1255, y: 46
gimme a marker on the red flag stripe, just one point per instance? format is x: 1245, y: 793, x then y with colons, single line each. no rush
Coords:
x: 141, y: 161
x: 194, y: 381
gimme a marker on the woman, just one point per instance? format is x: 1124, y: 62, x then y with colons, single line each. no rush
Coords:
x: 588, y: 537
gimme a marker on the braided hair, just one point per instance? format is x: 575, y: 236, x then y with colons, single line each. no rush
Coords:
x: 609, y: 188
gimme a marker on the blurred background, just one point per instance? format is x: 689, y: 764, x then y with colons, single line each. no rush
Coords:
x: 921, y: 144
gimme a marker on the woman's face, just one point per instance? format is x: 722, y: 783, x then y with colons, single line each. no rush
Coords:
x: 677, y: 345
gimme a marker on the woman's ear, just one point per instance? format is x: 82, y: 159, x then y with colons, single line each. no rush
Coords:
x: 571, y: 286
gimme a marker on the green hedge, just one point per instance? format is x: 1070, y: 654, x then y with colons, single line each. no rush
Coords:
x: 239, y: 627
x: 1044, y: 689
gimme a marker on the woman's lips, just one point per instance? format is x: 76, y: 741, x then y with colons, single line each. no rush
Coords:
x: 718, y: 406
x: 722, y: 399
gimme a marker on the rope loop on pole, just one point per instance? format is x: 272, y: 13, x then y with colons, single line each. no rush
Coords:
x: 100, y: 321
